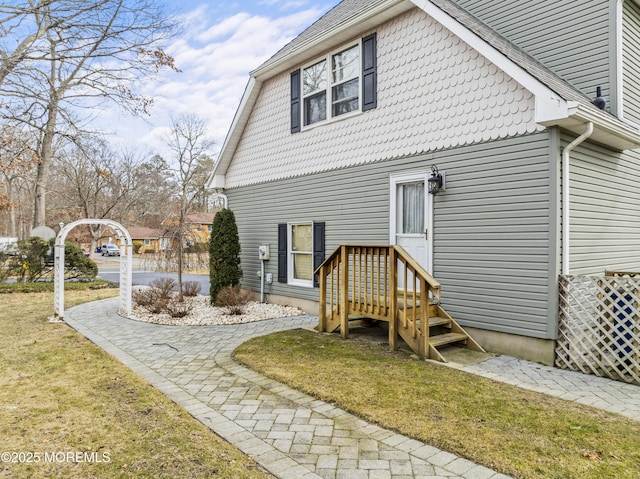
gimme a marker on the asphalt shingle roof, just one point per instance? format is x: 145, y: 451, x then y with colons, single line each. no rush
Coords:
x: 347, y: 9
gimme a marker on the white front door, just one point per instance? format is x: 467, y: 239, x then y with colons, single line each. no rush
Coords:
x: 410, y: 222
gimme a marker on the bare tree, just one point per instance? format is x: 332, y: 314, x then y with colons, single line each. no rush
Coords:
x: 16, y: 164
x: 156, y: 193
x: 95, y: 182
x: 87, y: 52
x: 19, y: 36
x: 189, y: 144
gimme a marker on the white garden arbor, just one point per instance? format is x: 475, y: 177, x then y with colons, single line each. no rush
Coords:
x: 126, y: 263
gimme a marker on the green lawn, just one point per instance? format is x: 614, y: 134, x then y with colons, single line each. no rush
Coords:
x: 60, y: 395
x: 520, y: 433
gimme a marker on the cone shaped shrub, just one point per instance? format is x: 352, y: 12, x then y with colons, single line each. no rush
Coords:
x: 224, y: 253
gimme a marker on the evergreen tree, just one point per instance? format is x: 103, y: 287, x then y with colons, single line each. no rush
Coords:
x: 224, y: 253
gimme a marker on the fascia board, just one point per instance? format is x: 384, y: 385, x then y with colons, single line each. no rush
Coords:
x: 238, y: 125
x: 549, y: 105
x: 607, y: 130
x: 216, y: 181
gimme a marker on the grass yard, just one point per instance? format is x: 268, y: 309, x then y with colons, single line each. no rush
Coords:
x: 520, y: 433
x: 60, y: 395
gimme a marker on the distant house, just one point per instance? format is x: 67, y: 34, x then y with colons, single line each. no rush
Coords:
x: 200, y: 225
x: 152, y: 239
x: 198, y: 228
x: 336, y: 136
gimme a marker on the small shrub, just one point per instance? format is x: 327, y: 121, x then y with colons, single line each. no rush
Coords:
x: 145, y: 297
x: 159, y: 305
x: 7, y: 264
x: 77, y: 265
x: 178, y: 309
x: 191, y: 288
x: 233, y: 299
x: 157, y: 296
x: 48, y: 286
x: 31, y: 259
x: 165, y: 288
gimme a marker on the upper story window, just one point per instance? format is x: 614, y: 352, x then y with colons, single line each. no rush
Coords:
x: 340, y: 83
x: 331, y: 87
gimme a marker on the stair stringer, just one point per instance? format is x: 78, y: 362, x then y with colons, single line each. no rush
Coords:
x: 470, y: 343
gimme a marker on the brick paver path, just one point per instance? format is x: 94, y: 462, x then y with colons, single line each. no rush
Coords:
x: 290, y: 434
x: 602, y: 393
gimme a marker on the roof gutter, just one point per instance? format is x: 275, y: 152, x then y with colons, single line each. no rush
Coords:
x: 566, y: 195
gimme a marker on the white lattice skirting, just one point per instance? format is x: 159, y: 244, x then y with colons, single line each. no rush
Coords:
x: 599, y: 330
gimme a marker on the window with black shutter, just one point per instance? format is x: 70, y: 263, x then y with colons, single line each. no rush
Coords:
x: 300, y: 251
x: 341, y: 83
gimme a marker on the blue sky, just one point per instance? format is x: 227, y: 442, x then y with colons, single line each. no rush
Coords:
x: 220, y: 43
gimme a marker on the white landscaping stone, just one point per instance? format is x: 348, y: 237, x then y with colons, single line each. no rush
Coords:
x: 203, y: 314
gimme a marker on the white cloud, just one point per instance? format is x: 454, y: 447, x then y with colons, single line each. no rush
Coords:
x: 215, y: 60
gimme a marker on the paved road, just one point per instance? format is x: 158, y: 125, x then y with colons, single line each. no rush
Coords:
x: 109, y: 269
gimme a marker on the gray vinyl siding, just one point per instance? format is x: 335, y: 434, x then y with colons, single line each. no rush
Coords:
x: 492, y: 235
x: 631, y: 61
x: 605, y: 210
x: 570, y: 38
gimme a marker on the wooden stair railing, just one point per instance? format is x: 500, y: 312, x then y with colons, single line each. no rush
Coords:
x: 385, y: 283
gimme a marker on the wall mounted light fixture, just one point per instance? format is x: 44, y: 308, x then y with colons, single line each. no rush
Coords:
x: 436, y: 181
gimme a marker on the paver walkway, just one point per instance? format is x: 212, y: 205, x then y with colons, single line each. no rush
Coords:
x: 290, y: 434
x: 602, y: 393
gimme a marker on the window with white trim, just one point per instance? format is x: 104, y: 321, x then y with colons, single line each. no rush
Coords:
x: 146, y: 242
x: 340, y: 83
x: 293, y: 259
x: 300, y: 254
x: 337, y: 78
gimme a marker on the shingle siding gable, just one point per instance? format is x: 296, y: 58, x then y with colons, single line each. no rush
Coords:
x: 434, y: 92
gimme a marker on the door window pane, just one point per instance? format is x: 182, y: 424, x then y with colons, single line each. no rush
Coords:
x: 413, y: 208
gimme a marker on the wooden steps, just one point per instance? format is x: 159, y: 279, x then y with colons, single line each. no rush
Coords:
x: 443, y: 330
x: 447, y: 338
x: 439, y: 321
x: 384, y: 283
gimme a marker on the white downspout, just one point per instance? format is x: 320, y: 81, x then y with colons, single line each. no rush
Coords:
x: 566, y: 221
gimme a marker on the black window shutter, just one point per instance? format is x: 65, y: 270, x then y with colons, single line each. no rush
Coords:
x: 282, y: 253
x: 369, y: 73
x: 295, y: 101
x: 318, y: 248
